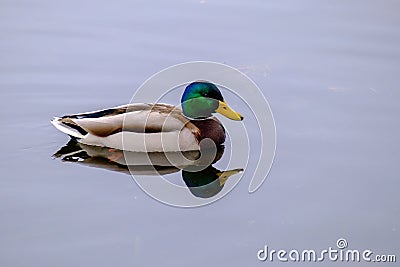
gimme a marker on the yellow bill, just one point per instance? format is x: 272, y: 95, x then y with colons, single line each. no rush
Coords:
x: 224, y: 175
x: 225, y: 110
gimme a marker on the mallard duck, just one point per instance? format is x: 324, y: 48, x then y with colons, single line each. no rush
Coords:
x: 154, y: 127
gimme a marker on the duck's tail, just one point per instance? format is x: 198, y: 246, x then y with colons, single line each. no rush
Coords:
x: 68, y: 128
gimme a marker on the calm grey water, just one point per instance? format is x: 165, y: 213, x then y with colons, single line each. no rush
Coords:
x: 329, y: 69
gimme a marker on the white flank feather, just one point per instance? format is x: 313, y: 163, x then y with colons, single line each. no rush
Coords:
x: 146, y: 142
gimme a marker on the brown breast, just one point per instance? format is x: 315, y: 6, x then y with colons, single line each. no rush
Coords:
x: 210, y: 128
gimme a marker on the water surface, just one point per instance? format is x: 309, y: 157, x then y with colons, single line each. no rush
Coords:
x: 328, y: 69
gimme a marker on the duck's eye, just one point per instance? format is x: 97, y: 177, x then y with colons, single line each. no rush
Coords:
x: 224, y: 108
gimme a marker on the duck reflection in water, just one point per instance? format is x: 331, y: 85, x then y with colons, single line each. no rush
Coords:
x: 201, y: 178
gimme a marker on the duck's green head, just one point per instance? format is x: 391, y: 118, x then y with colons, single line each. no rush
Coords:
x: 202, y: 98
x: 208, y: 182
